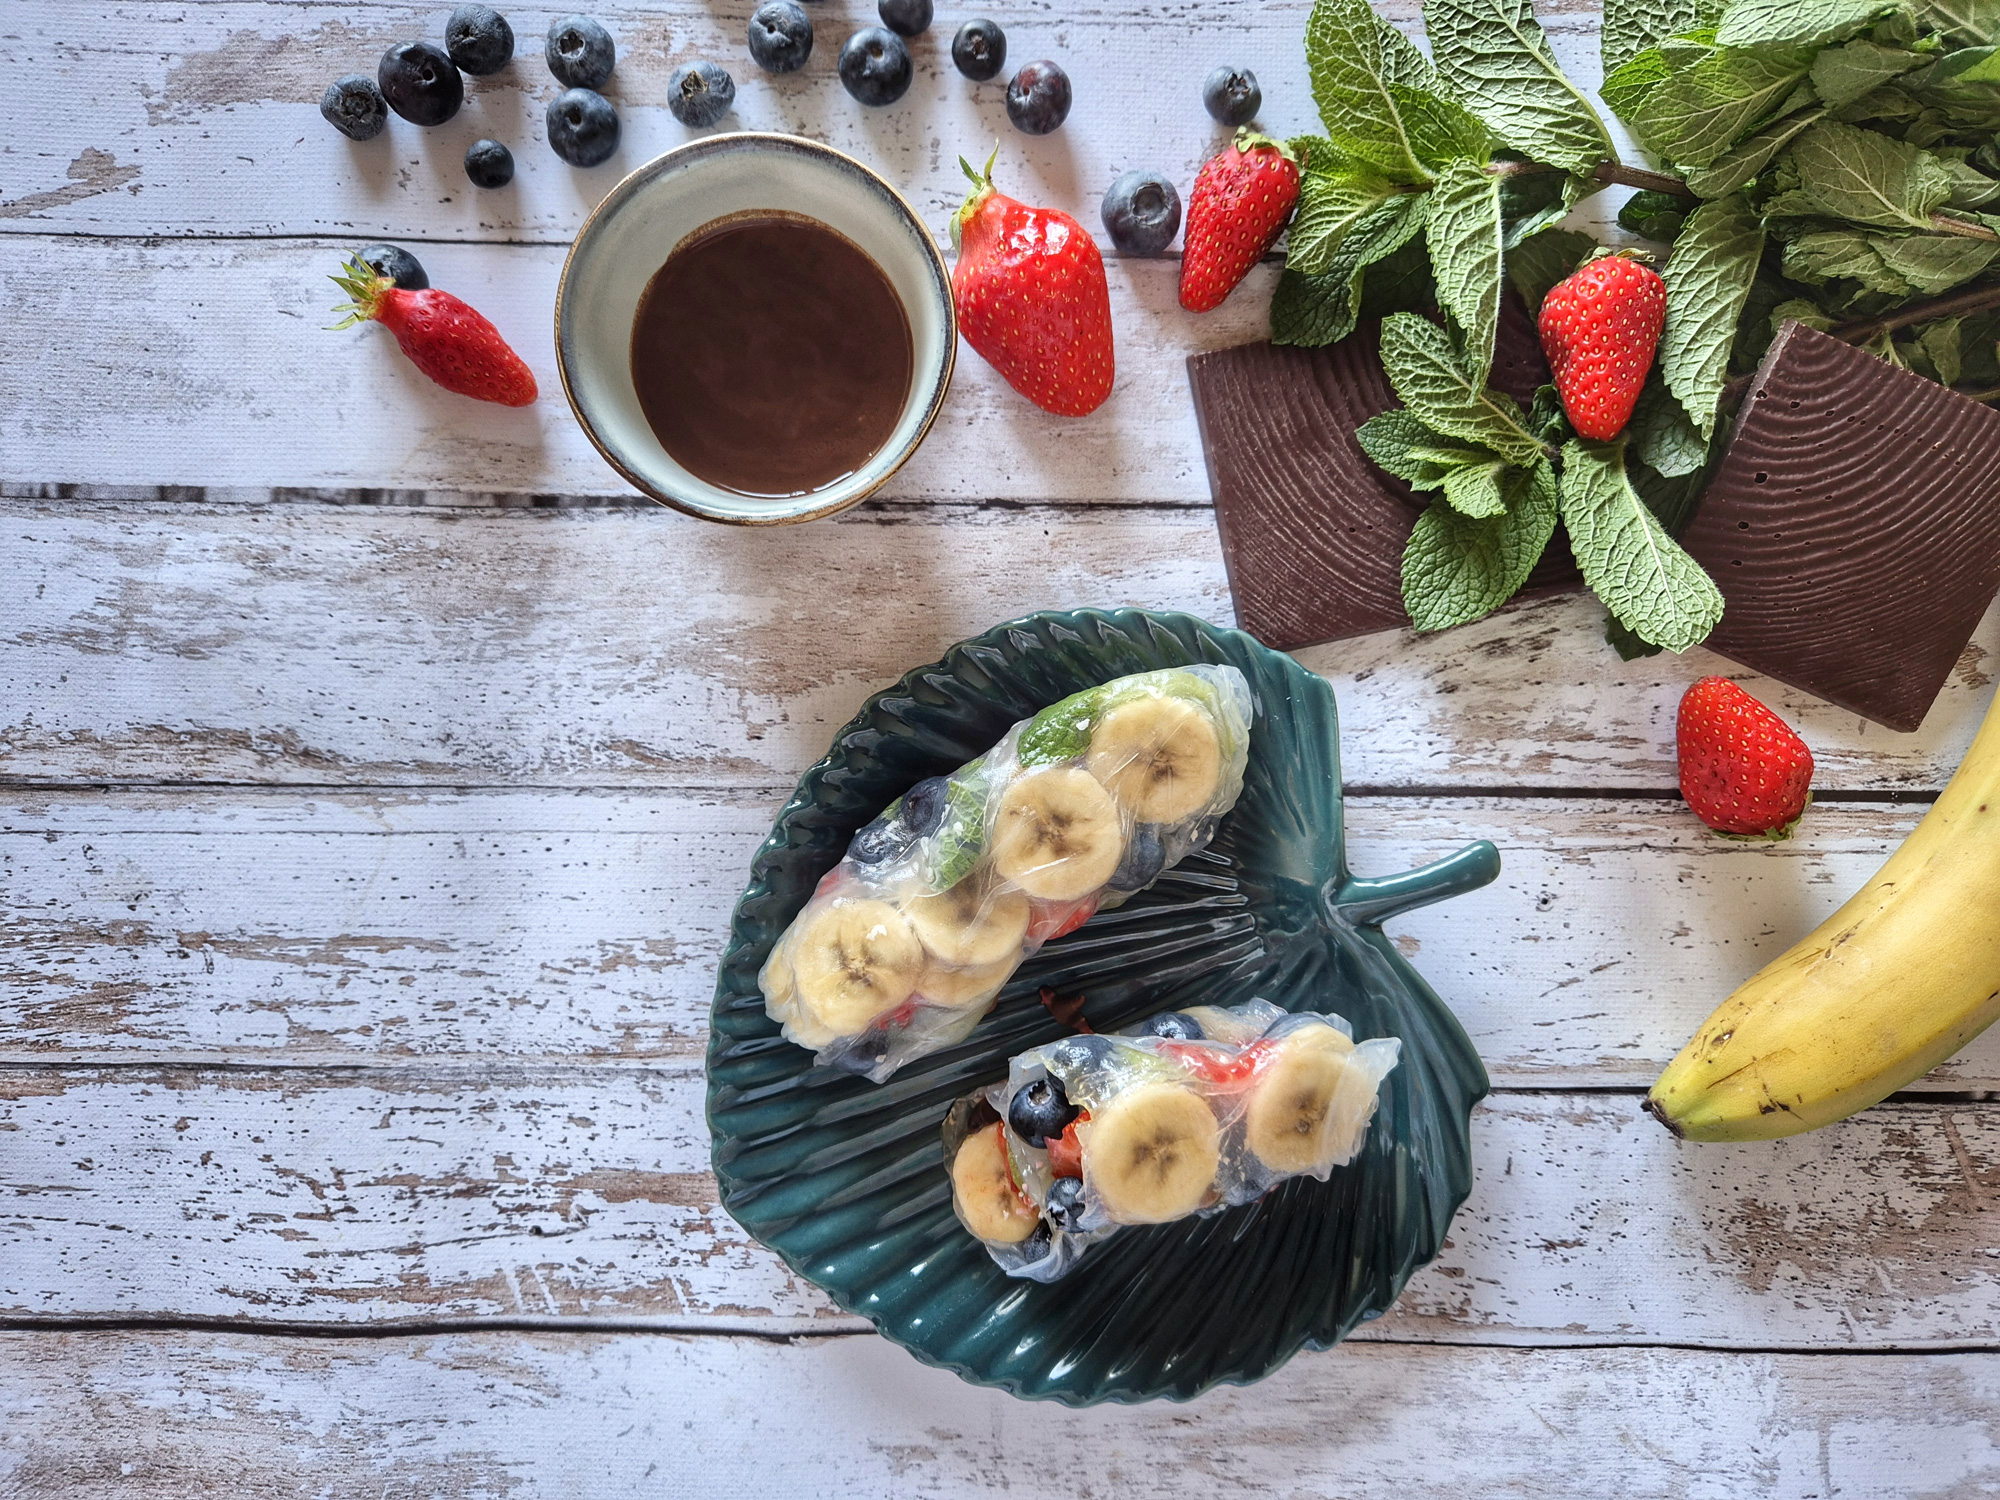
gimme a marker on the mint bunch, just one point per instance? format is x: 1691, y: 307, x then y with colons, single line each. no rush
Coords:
x: 1833, y: 161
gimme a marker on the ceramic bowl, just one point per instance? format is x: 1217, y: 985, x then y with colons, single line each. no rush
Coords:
x: 629, y: 236
x: 846, y: 1180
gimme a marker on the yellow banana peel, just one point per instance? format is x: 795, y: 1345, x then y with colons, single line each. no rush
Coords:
x: 1888, y: 987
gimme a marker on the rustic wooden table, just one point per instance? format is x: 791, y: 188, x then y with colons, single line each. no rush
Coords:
x: 379, y: 775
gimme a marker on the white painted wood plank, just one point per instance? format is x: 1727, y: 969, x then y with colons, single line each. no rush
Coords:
x: 139, y: 1416
x: 371, y: 929
x: 382, y: 646
x: 484, y: 1192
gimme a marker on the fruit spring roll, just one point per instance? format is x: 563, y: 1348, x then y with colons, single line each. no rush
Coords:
x: 1196, y: 1111
x: 907, y: 942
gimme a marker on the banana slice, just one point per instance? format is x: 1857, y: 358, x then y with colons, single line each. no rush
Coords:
x: 858, y: 959
x: 1301, y: 1117
x: 972, y: 925
x: 985, y: 1194
x: 1160, y: 757
x: 1151, y: 1153
x: 1057, y: 835
x: 943, y: 985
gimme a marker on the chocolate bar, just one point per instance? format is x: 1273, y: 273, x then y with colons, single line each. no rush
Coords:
x: 1853, y: 527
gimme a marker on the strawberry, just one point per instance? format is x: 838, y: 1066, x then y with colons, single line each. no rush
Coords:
x: 1048, y: 922
x: 1599, y: 329
x: 1743, y: 770
x: 1032, y: 299
x: 443, y: 337
x: 1066, y: 1150
x: 1238, y: 207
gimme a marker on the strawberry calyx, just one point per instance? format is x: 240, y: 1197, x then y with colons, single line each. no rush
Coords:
x: 1770, y: 835
x: 982, y: 189
x: 1249, y: 139
x: 365, y: 288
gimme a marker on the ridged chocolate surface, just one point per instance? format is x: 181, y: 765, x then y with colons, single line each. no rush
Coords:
x: 1853, y: 527
x: 1312, y: 532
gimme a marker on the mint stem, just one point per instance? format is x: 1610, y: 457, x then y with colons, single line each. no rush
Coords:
x: 1607, y: 172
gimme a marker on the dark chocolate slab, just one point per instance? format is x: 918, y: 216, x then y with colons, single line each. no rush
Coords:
x: 1853, y: 527
x: 1312, y: 532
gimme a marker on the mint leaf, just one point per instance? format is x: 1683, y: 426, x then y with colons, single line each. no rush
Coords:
x: 1439, y: 130
x: 1869, y: 178
x: 1703, y: 110
x: 1970, y: 187
x: 1323, y: 308
x: 1467, y: 258
x: 1530, y: 201
x: 1743, y: 161
x: 1492, y: 55
x: 1405, y: 447
x: 1431, y: 378
x: 1937, y: 346
x: 1629, y: 561
x: 1352, y: 86
x: 1474, y: 489
x: 1797, y: 23
x: 1964, y: 85
x: 1967, y: 22
x: 1844, y: 255
x: 1628, y: 86
x: 1655, y: 216
x: 1403, y: 62
x: 1660, y: 434
x: 1628, y: 646
x: 1633, y: 26
x: 1840, y: 75
x: 1456, y: 569
x: 1708, y: 276
x: 1333, y: 199
x: 1540, y: 261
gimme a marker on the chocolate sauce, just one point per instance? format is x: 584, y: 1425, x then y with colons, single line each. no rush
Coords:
x: 771, y: 355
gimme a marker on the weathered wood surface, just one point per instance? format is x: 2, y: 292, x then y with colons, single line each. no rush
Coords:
x: 462, y: 1193
x: 358, y: 646
x: 373, y: 929
x: 161, y: 1416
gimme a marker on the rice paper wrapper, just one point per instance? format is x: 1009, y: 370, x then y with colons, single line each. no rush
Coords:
x: 908, y: 941
x: 1168, y: 1128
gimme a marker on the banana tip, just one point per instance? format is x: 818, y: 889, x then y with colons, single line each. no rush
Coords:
x: 1654, y: 1108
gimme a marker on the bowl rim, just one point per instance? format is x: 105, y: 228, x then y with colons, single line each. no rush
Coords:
x: 724, y: 142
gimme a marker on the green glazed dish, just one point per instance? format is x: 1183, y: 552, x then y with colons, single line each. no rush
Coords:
x: 845, y: 1179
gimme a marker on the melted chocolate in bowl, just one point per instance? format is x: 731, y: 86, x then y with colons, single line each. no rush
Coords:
x: 771, y: 355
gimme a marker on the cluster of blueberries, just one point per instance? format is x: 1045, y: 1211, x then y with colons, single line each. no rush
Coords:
x: 420, y: 81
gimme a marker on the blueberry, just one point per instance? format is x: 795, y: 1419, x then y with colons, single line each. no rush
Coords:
x: 421, y: 83
x: 781, y: 37
x: 396, y: 263
x: 1231, y: 95
x: 1079, y: 1055
x: 1038, y: 98
x: 882, y: 840
x: 1038, y: 1243
x: 700, y: 93
x: 875, y: 66
x: 580, y: 52
x: 1174, y: 1026
x: 489, y: 164
x: 1146, y: 854
x: 979, y: 50
x: 905, y: 17
x: 583, y: 127
x: 1040, y: 1111
x: 1064, y: 1205
x: 355, y: 107
x: 479, y: 40
x: 1142, y: 212
x: 923, y: 806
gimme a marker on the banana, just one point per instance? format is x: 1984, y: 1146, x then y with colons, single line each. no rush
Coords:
x: 942, y: 985
x: 972, y: 925
x: 1303, y: 1114
x: 1888, y: 987
x: 1151, y: 1153
x: 1057, y: 834
x: 856, y: 960
x: 984, y: 1192
x: 1160, y: 757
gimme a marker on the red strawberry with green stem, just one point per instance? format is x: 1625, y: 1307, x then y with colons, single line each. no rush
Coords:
x: 1743, y: 770
x: 1599, y: 330
x: 1032, y: 298
x: 443, y: 337
x: 1240, y: 204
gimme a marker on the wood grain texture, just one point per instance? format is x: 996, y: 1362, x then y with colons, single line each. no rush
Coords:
x: 359, y: 646
x: 477, y: 1416
x: 372, y: 929
x: 579, y: 1195
x: 1854, y: 527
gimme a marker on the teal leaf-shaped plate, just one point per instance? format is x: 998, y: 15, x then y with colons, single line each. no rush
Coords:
x: 845, y: 1179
